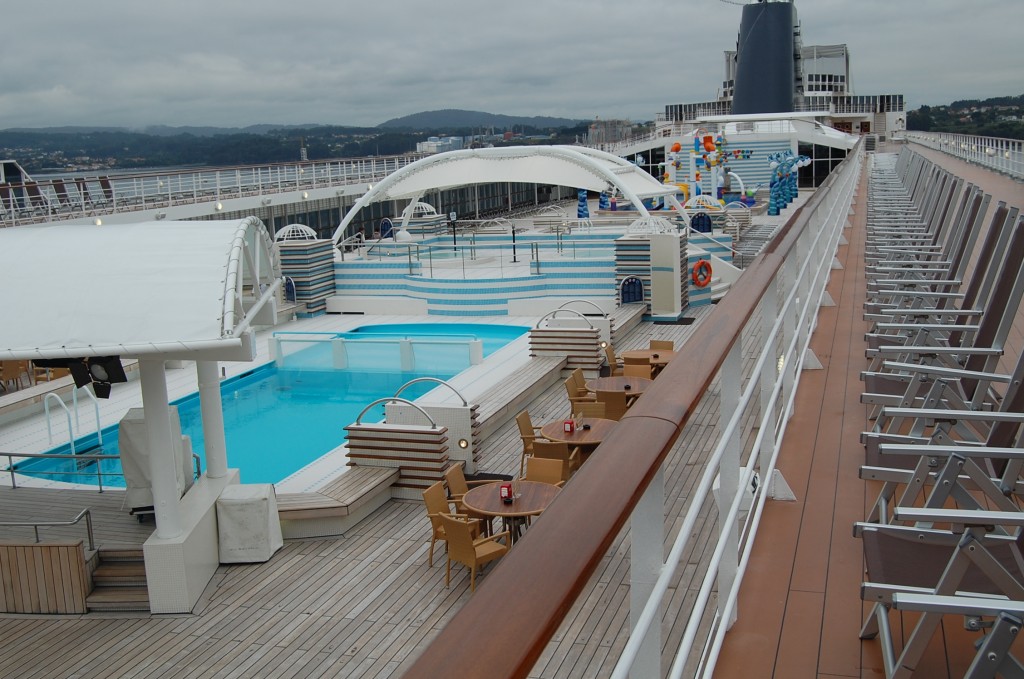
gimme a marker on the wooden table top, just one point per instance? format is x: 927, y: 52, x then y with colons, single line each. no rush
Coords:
x: 599, y: 429
x: 652, y: 356
x: 637, y: 385
x: 534, y: 497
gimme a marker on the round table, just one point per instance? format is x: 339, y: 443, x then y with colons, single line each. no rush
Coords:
x: 656, y: 357
x: 599, y: 429
x: 533, y: 498
x: 629, y: 385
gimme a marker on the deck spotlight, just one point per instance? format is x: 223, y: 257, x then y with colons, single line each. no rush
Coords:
x: 781, y: 364
x: 604, y: 345
x: 463, y: 443
x: 98, y: 221
x: 305, y: 195
x: 219, y: 207
x: 159, y: 215
x: 265, y: 202
x: 990, y: 151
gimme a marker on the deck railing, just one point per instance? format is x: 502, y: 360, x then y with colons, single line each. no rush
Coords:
x: 995, y: 153
x: 743, y: 362
x: 55, y: 199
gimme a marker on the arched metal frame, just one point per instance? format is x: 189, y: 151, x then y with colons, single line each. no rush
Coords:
x: 395, y: 399
x: 552, y: 314
x: 432, y: 379
x: 574, y: 166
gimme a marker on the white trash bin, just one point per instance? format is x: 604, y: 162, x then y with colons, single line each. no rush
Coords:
x: 247, y: 523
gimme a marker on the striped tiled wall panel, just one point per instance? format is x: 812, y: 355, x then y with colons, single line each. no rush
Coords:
x: 719, y: 244
x: 310, y: 264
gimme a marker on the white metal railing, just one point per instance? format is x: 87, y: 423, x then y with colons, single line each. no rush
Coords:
x: 757, y: 382
x: 995, y: 153
x: 66, y: 197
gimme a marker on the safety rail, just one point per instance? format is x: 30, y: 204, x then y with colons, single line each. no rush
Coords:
x: 54, y: 199
x: 36, y: 525
x: 78, y: 458
x: 995, y: 153
x: 197, y: 465
x: 752, y: 347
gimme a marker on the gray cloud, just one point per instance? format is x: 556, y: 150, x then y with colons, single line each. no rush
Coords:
x: 227, y: 62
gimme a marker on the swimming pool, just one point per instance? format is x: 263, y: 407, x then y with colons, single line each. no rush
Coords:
x: 280, y: 417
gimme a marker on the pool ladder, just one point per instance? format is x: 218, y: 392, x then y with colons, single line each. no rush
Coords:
x: 77, y: 429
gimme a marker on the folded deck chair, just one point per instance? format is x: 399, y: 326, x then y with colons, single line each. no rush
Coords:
x: 904, y: 458
x: 957, y: 346
x: 967, y: 560
x: 993, y: 657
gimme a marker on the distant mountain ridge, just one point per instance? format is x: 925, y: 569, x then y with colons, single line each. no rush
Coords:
x: 458, y: 118
x: 162, y: 130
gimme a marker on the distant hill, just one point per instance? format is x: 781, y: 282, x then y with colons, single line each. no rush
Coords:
x: 162, y: 130
x: 457, y: 118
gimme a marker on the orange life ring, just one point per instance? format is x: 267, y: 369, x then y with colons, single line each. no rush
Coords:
x: 702, y: 273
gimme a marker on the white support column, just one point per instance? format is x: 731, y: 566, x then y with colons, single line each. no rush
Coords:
x: 213, y: 419
x: 163, y: 466
x: 729, y: 475
x: 646, y: 559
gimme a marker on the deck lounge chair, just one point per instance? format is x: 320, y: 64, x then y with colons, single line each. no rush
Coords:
x: 968, y: 560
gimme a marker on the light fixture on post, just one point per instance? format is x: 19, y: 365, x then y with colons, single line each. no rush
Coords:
x: 99, y: 371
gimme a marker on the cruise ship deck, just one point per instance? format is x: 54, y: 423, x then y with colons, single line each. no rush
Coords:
x: 367, y: 605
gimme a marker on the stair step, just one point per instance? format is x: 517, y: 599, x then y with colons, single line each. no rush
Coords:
x: 120, y: 573
x: 121, y: 553
x: 118, y: 599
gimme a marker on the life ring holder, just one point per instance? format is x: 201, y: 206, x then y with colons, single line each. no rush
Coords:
x: 702, y: 273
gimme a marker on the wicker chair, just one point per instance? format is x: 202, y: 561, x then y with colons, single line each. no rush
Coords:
x: 559, y: 450
x: 437, y: 504
x: 665, y: 345
x: 469, y: 550
x: 614, y: 362
x: 637, y: 370
x: 615, y: 404
x: 528, y: 433
x: 545, y: 470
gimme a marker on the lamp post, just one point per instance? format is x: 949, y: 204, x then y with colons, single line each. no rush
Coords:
x: 455, y: 244
x: 514, y: 260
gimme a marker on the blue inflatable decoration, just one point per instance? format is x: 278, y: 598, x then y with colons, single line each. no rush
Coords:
x: 582, y: 209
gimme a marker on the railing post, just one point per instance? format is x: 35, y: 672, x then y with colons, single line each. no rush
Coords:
x: 731, y: 379
x: 646, y: 559
x: 769, y: 373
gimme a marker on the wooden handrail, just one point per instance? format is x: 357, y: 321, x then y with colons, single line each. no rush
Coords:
x: 504, y: 628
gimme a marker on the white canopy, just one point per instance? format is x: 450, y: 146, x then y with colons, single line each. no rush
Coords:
x: 133, y: 289
x: 574, y: 166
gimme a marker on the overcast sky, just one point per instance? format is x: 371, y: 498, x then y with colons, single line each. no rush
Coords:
x: 342, y: 62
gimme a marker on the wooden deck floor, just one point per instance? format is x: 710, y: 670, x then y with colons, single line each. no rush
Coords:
x: 363, y: 605
x: 800, y: 609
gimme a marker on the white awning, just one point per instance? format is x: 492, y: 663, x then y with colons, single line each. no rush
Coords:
x: 574, y: 166
x: 132, y: 289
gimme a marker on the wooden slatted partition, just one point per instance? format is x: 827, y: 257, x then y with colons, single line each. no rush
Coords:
x: 43, y: 578
x: 419, y: 452
x: 580, y: 346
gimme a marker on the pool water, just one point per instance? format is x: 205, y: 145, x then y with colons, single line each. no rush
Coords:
x: 279, y: 419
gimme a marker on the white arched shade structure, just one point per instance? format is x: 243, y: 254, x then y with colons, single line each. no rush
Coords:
x: 573, y: 166
x: 155, y: 289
